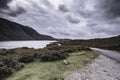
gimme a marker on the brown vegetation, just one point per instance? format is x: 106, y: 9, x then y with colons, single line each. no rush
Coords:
x: 14, y: 59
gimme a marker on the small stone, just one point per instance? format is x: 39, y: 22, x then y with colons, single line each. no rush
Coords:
x: 66, y: 62
x: 59, y: 44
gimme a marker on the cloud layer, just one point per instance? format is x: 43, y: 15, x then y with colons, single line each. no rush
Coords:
x: 67, y: 18
x: 6, y: 10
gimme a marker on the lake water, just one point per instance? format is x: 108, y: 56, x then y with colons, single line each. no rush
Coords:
x: 30, y: 44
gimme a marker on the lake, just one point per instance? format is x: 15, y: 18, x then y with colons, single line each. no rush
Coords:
x: 30, y: 44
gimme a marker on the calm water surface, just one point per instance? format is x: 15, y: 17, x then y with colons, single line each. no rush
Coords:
x: 30, y: 44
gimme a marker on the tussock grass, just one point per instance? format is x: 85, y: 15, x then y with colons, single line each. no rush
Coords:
x: 53, y: 70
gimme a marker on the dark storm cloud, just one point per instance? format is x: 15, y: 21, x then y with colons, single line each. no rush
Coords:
x: 63, y: 8
x: 72, y: 19
x: 111, y: 17
x: 4, y: 3
x: 6, y: 10
x: 111, y: 7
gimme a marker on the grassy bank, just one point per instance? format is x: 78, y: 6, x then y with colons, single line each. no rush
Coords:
x: 12, y: 60
x: 54, y: 70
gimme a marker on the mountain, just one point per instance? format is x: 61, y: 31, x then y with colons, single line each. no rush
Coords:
x: 14, y: 31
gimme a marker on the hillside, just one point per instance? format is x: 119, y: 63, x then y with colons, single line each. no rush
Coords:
x: 14, y: 31
x: 112, y: 43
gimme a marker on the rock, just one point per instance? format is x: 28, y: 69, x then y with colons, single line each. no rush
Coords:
x: 59, y: 44
x: 66, y: 62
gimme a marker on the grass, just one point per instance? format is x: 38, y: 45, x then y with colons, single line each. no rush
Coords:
x: 54, y: 70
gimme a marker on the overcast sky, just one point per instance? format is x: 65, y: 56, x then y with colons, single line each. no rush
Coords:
x: 75, y: 19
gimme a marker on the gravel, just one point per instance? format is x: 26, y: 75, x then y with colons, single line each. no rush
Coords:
x: 102, y: 68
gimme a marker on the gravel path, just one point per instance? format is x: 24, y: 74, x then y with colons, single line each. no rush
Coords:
x: 102, y: 68
x: 111, y: 54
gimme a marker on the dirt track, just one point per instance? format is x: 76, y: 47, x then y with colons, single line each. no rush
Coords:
x: 102, y: 68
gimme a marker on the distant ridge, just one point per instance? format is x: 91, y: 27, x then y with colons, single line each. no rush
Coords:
x: 14, y: 31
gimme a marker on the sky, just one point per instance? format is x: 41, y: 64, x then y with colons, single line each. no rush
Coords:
x: 74, y: 19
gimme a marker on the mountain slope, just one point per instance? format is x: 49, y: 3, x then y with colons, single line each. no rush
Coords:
x: 14, y: 31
